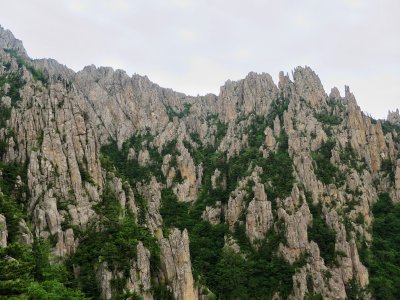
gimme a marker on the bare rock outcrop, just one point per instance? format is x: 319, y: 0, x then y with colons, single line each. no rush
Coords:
x: 295, y: 216
x: 187, y: 190
x: 237, y: 199
x: 397, y: 181
x: 212, y: 214
x: 104, y: 277
x: 152, y: 193
x: 259, y: 218
x: 270, y: 140
x: 8, y: 41
x: 3, y: 231
x: 218, y: 180
x: 394, y: 117
x: 308, y: 86
x: 176, y: 265
x: 139, y: 280
x: 254, y: 94
x: 25, y: 235
x: 66, y: 243
x: 55, y: 128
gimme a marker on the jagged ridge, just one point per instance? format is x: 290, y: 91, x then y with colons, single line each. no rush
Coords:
x: 270, y: 179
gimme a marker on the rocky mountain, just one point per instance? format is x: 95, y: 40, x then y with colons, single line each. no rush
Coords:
x: 113, y: 187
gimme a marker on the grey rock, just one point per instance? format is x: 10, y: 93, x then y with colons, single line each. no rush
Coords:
x: 394, y: 117
x: 213, y: 214
x: 139, y: 280
x: 176, y: 265
x: 3, y: 231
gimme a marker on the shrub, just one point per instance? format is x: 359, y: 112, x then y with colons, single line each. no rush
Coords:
x: 85, y: 175
x: 325, y: 170
x: 320, y: 233
x: 328, y: 119
x: 116, y: 236
x: 383, y: 258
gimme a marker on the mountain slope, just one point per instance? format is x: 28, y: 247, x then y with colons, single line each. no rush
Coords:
x: 133, y: 190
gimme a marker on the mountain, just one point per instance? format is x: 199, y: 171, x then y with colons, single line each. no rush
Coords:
x: 113, y: 187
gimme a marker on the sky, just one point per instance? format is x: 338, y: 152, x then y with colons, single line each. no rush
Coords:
x: 195, y: 46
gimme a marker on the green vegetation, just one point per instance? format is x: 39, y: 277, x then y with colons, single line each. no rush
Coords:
x: 10, y: 173
x: 171, y: 112
x: 258, y: 276
x: 258, y: 273
x: 3, y: 146
x: 26, y: 273
x: 320, y: 233
x: 36, y: 74
x: 11, y: 198
x: 326, y: 171
x: 118, y: 234
x: 115, y: 160
x: 31, y: 276
x: 213, y: 119
x: 392, y: 128
x: 328, y: 119
x: 383, y: 257
x: 174, y: 213
x: 349, y: 157
x: 354, y: 291
x: 53, y: 289
x: 206, y: 243
x: 389, y: 127
x: 311, y: 295
x: 388, y: 167
x: 206, y: 240
x: 110, y: 240
x: 161, y: 292
x: 227, y: 274
x: 40, y: 138
x: 85, y: 175
x: 13, y: 214
x: 15, y: 84
x: 230, y: 275
x: 277, y: 169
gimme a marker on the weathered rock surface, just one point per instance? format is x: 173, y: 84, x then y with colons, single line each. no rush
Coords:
x: 104, y: 277
x: 3, y: 231
x: 259, y: 214
x: 58, y: 126
x: 139, y: 280
x: 296, y: 219
x: 176, y: 264
x: 152, y: 194
x: 213, y: 214
x: 8, y: 41
x: 25, y: 234
x: 397, y: 180
x: 394, y: 117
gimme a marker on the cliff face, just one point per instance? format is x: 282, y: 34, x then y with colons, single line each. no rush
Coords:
x: 263, y: 177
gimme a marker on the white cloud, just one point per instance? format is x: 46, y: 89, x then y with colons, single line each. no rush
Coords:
x: 183, y: 3
x: 186, y: 35
x: 193, y: 79
x: 76, y: 6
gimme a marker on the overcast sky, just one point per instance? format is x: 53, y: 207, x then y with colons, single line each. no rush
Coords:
x: 195, y: 46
